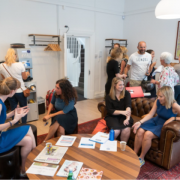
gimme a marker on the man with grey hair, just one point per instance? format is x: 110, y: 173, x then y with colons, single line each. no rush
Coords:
x: 168, y: 76
x: 140, y: 62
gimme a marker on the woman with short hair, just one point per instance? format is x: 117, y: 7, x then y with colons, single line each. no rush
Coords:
x: 118, y: 105
x: 168, y: 76
x: 20, y: 136
x: 150, y: 127
x: 64, y: 118
x: 17, y: 70
x: 112, y: 68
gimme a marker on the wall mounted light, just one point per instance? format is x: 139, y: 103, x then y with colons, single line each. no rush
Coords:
x: 168, y: 9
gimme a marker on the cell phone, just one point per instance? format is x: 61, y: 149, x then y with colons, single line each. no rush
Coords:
x: 46, y: 123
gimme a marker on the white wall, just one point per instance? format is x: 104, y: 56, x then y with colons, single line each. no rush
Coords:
x: 140, y: 24
x: 101, y: 18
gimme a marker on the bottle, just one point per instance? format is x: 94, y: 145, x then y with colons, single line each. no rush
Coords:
x: 70, y: 175
x: 111, y: 135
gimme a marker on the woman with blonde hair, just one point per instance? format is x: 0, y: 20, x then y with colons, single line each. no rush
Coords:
x: 118, y: 105
x: 112, y: 68
x: 14, y: 69
x: 20, y: 136
x: 149, y: 128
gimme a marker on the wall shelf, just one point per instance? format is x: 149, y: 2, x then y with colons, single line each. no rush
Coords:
x: 43, y: 35
x: 112, y: 42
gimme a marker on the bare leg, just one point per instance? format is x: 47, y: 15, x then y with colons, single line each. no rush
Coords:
x: 138, y: 140
x: 52, y: 130
x: 116, y: 132
x: 125, y: 134
x: 60, y: 131
x: 27, y: 145
x: 30, y: 133
x: 146, y: 144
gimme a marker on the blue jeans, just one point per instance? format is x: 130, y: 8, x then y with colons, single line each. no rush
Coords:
x: 18, y: 98
x: 177, y: 93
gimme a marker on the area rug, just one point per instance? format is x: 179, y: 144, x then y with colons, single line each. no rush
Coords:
x: 148, y: 171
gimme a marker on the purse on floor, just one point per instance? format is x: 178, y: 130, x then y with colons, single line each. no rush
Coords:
x: 26, y: 92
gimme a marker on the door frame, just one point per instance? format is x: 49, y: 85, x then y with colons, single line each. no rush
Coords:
x: 89, y: 60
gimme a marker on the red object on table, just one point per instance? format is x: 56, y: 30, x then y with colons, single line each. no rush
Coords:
x: 135, y: 91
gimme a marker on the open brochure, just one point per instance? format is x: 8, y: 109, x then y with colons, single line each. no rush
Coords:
x: 100, y: 137
x: 66, y: 140
x: 86, y: 143
x: 74, y: 165
x: 54, y: 158
x: 109, y: 146
x: 42, y: 169
x: 87, y: 173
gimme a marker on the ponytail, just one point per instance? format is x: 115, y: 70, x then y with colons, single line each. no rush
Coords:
x: 9, y: 84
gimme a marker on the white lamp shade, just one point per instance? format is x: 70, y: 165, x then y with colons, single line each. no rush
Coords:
x: 168, y: 9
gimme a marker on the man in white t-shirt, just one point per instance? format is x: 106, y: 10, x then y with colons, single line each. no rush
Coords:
x: 139, y: 62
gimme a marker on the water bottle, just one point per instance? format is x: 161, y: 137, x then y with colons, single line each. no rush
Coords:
x: 111, y: 135
x: 70, y: 175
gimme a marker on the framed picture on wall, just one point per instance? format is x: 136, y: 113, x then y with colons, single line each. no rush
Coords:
x: 177, y: 47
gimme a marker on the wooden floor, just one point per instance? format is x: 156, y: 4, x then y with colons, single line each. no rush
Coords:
x: 86, y: 110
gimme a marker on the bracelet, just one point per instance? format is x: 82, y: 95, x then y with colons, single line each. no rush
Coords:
x: 10, y: 123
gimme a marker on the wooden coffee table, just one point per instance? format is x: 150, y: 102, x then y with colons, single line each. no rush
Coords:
x: 115, y: 165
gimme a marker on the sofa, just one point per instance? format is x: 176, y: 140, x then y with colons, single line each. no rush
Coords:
x: 165, y: 151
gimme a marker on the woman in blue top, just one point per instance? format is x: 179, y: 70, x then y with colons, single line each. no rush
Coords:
x: 150, y: 128
x: 20, y: 136
x: 65, y: 116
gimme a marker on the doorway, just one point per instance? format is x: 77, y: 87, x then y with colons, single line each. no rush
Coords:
x: 76, y: 60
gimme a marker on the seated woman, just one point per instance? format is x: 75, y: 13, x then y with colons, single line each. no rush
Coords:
x: 65, y: 116
x: 20, y: 136
x: 150, y: 128
x: 118, y: 105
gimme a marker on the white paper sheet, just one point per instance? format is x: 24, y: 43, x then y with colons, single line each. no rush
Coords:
x: 109, y: 146
x: 86, y: 143
x: 158, y: 70
x: 66, y: 141
x: 100, y: 137
x: 54, y: 158
x: 42, y: 169
x: 74, y: 165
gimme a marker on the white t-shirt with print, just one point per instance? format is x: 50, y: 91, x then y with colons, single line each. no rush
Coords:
x: 139, y: 65
x: 15, y: 70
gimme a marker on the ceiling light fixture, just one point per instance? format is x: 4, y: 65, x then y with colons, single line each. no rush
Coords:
x: 168, y: 9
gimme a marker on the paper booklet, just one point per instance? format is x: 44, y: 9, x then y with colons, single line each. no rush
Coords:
x: 42, y: 169
x: 54, y: 158
x: 100, y: 137
x: 86, y: 143
x: 66, y: 141
x: 109, y: 146
x: 87, y: 173
x: 74, y: 165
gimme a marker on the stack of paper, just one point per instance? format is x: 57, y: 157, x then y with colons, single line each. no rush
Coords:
x: 86, y: 143
x: 74, y: 165
x: 66, y: 141
x: 54, y: 158
x: 109, y: 146
x: 100, y: 137
x: 42, y: 169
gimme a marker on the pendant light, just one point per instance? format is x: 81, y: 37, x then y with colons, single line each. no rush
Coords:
x: 168, y: 9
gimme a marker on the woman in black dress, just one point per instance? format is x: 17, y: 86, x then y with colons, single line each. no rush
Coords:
x: 112, y: 68
x: 152, y: 69
x: 118, y: 105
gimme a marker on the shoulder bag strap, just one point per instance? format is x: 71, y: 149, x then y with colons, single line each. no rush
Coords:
x: 9, y: 73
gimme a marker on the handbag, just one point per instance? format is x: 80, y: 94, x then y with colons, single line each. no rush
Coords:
x: 147, y: 85
x: 26, y: 92
x: 101, y: 127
